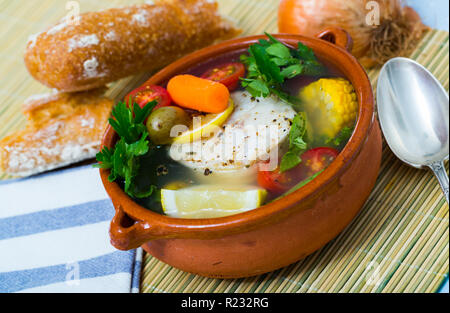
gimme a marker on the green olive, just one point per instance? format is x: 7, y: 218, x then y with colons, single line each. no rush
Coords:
x: 161, y: 122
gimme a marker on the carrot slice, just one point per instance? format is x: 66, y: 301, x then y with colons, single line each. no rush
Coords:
x: 199, y: 94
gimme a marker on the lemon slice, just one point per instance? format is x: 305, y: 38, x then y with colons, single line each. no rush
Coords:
x: 204, y: 127
x: 206, y: 201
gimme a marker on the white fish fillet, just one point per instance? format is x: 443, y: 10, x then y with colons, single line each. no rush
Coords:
x: 256, y: 129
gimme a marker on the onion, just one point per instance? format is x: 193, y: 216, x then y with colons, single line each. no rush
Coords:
x: 380, y: 29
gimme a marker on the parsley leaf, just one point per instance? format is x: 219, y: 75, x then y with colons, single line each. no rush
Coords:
x: 270, y: 62
x: 311, y: 65
x: 105, y: 156
x: 290, y: 160
x: 123, y: 160
x: 292, y: 71
x: 342, y: 137
x: 267, y: 70
x: 297, y: 144
x: 128, y: 123
x: 279, y: 51
x: 258, y: 88
x: 306, y: 53
x: 298, y: 128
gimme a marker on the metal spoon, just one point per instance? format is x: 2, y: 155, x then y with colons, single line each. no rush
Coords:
x: 413, y: 110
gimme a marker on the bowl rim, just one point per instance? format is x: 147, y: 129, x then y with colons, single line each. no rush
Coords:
x: 167, y: 226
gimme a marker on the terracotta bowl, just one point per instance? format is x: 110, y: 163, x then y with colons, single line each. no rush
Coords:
x: 281, y: 232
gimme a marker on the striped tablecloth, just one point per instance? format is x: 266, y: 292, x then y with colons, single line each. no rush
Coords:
x: 399, y: 241
x: 54, y: 236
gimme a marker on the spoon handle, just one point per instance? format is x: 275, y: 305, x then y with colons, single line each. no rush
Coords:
x: 439, y: 170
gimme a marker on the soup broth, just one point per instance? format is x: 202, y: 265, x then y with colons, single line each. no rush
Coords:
x: 323, y: 120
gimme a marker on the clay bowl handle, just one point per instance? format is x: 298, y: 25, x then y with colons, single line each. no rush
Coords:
x: 127, y: 233
x: 337, y: 36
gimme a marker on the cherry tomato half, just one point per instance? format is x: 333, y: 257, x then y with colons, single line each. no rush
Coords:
x: 277, y: 182
x: 148, y: 93
x: 315, y: 160
x: 227, y: 74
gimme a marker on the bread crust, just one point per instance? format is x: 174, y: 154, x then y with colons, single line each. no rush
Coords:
x: 62, y: 129
x: 115, y: 43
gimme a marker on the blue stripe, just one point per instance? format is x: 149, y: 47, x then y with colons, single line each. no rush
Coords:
x: 136, y: 274
x: 109, y: 264
x: 42, y: 221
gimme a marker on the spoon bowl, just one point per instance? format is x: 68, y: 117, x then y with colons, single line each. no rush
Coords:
x: 413, y: 109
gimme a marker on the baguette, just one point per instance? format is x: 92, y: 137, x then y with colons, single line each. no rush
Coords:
x: 115, y: 43
x: 62, y: 129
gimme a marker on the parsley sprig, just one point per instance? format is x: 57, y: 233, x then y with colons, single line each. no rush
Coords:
x: 124, y: 159
x: 270, y: 63
x: 297, y: 144
x: 128, y: 122
x: 342, y: 137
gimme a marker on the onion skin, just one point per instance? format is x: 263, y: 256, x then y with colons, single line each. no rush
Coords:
x: 309, y: 17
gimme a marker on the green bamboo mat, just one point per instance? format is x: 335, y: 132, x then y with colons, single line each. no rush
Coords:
x: 398, y: 242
